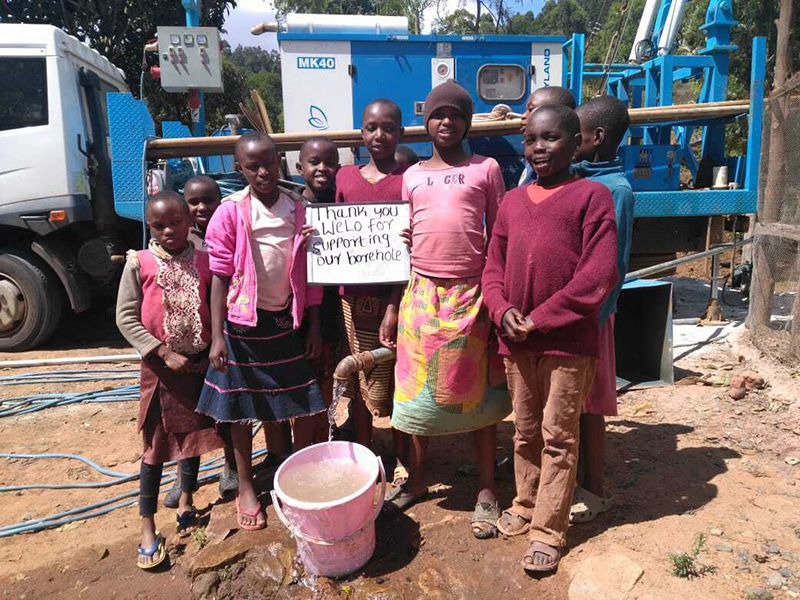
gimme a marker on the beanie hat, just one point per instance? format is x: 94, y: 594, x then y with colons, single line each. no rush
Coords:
x: 452, y: 95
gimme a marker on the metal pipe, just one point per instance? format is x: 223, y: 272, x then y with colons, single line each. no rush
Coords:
x: 223, y: 145
x: 361, y: 361
x: 645, y: 29
x: 660, y: 268
x: 72, y: 360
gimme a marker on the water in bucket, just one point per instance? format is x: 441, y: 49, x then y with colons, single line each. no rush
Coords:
x: 325, y: 481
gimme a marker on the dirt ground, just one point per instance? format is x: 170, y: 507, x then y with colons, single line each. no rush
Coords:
x: 682, y: 460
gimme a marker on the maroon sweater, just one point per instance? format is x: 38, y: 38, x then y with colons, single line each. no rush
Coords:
x: 352, y: 187
x: 556, y: 262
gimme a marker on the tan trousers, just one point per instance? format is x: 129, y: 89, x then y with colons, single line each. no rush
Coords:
x: 548, y: 393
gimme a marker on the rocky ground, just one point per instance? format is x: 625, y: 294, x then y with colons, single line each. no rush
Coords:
x: 706, y: 487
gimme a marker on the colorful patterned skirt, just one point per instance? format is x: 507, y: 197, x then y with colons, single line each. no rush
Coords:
x: 268, y: 377
x: 445, y: 381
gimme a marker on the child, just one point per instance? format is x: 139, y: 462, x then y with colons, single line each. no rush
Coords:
x: 162, y: 310
x: 319, y: 163
x: 551, y: 264
x: 203, y: 196
x: 363, y: 307
x: 405, y: 156
x: 259, y: 301
x: 543, y: 96
x: 604, y: 121
x: 442, y: 370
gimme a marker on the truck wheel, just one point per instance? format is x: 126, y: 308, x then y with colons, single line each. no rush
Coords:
x: 30, y: 301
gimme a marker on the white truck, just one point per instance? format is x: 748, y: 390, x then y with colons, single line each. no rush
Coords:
x: 60, y: 239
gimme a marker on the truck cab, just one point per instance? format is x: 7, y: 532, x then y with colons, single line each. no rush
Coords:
x: 57, y: 223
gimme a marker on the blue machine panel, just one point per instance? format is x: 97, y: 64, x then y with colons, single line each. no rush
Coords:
x: 652, y: 168
x: 129, y: 127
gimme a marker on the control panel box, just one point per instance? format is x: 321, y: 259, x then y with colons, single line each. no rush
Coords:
x: 190, y: 59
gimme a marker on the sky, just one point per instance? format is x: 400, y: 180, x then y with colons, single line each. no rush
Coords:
x: 251, y: 12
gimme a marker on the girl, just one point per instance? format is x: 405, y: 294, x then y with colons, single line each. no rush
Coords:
x: 162, y: 310
x: 363, y: 307
x: 442, y: 375
x: 259, y: 300
x: 552, y: 263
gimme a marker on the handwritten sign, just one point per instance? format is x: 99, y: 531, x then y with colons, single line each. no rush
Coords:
x: 358, y: 243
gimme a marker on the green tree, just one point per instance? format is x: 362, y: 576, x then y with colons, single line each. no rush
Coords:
x: 462, y: 22
x: 268, y: 85
x: 253, y: 59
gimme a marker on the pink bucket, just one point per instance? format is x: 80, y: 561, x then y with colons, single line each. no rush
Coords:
x: 333, y: 538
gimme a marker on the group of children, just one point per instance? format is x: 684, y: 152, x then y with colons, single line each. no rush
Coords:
x: 509, y: 292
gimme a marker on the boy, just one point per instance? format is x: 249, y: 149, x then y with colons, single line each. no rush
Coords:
x: 318, y: 163
x: 553, y: 94
x: 604, y: 121
x: 559, y: 233
x: 203, y: 197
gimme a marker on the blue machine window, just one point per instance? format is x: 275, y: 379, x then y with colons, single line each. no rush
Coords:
x: 23, y: 95
x: 501, y: 82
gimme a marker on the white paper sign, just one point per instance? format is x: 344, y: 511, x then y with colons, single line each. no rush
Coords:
x: 358, y: 243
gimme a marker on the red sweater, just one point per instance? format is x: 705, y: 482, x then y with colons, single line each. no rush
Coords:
x: 556, y: 262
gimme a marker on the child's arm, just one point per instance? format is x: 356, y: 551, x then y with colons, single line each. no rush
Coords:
x: 129, y: 321
x: 219, y: 312
x: 387, y: 334
x: 129, y: 310
x: 595, y: 275
x: 501, y: 311
x: 624, y: 208
x: 495, y: 192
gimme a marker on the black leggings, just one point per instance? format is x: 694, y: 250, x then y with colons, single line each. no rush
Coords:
x: 150, y: 482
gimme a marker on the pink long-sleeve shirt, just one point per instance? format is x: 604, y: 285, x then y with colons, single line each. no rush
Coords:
x: 230, y: 255
x: 452, y: 213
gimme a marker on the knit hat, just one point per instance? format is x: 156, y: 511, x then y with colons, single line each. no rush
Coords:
x: 449, y: 94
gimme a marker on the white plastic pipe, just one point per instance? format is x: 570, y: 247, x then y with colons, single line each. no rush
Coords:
x: 671, y: 27
x: 308, y: 23
x: 645, y: 26
x: 72, y: 360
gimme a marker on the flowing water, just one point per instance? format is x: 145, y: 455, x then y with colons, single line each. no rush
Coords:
x: 323, y: 481
x: 339, y: 388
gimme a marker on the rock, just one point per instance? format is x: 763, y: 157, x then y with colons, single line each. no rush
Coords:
x: 760, y: 558
x: 102, y: 553
x: 737, y: 393
x: 264, y: 573
x: 773, y: 548
x: 743, y: 569
x: 724, y: 548
x: 759, y: 594
x: 608, y: 576
x: 775, y: 581
x: 785, y: 572
x: 204, y: 585
x: 716, y: 532
x: 743, y: 556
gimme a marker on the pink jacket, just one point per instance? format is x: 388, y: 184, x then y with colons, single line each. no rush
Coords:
x: 230, y: 254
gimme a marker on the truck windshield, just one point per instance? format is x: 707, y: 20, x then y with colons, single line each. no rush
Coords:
x: 23, y: 94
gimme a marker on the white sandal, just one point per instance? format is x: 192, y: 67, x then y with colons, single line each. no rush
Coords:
x: 586, y: 505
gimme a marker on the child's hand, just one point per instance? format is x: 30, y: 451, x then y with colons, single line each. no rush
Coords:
x: 387, y: 334
x: 529, y: 325
x: 219, y: 354
x: 514, y: 325
x: 176, y: 362
x: 308, y: 232
x: 406, y: 235
x: 313, y: 342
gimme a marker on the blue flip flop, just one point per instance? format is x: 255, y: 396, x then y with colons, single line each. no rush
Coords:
x: 157, y: 551
x: 186, y: 519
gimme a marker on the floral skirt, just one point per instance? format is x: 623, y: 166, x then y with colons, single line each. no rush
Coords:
x: 447, y: 378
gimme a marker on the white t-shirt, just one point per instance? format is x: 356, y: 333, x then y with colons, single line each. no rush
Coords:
x: 271, y: 242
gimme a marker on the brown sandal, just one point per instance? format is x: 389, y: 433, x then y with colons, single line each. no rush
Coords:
x: 506, y: 521
x: 539, y: 548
